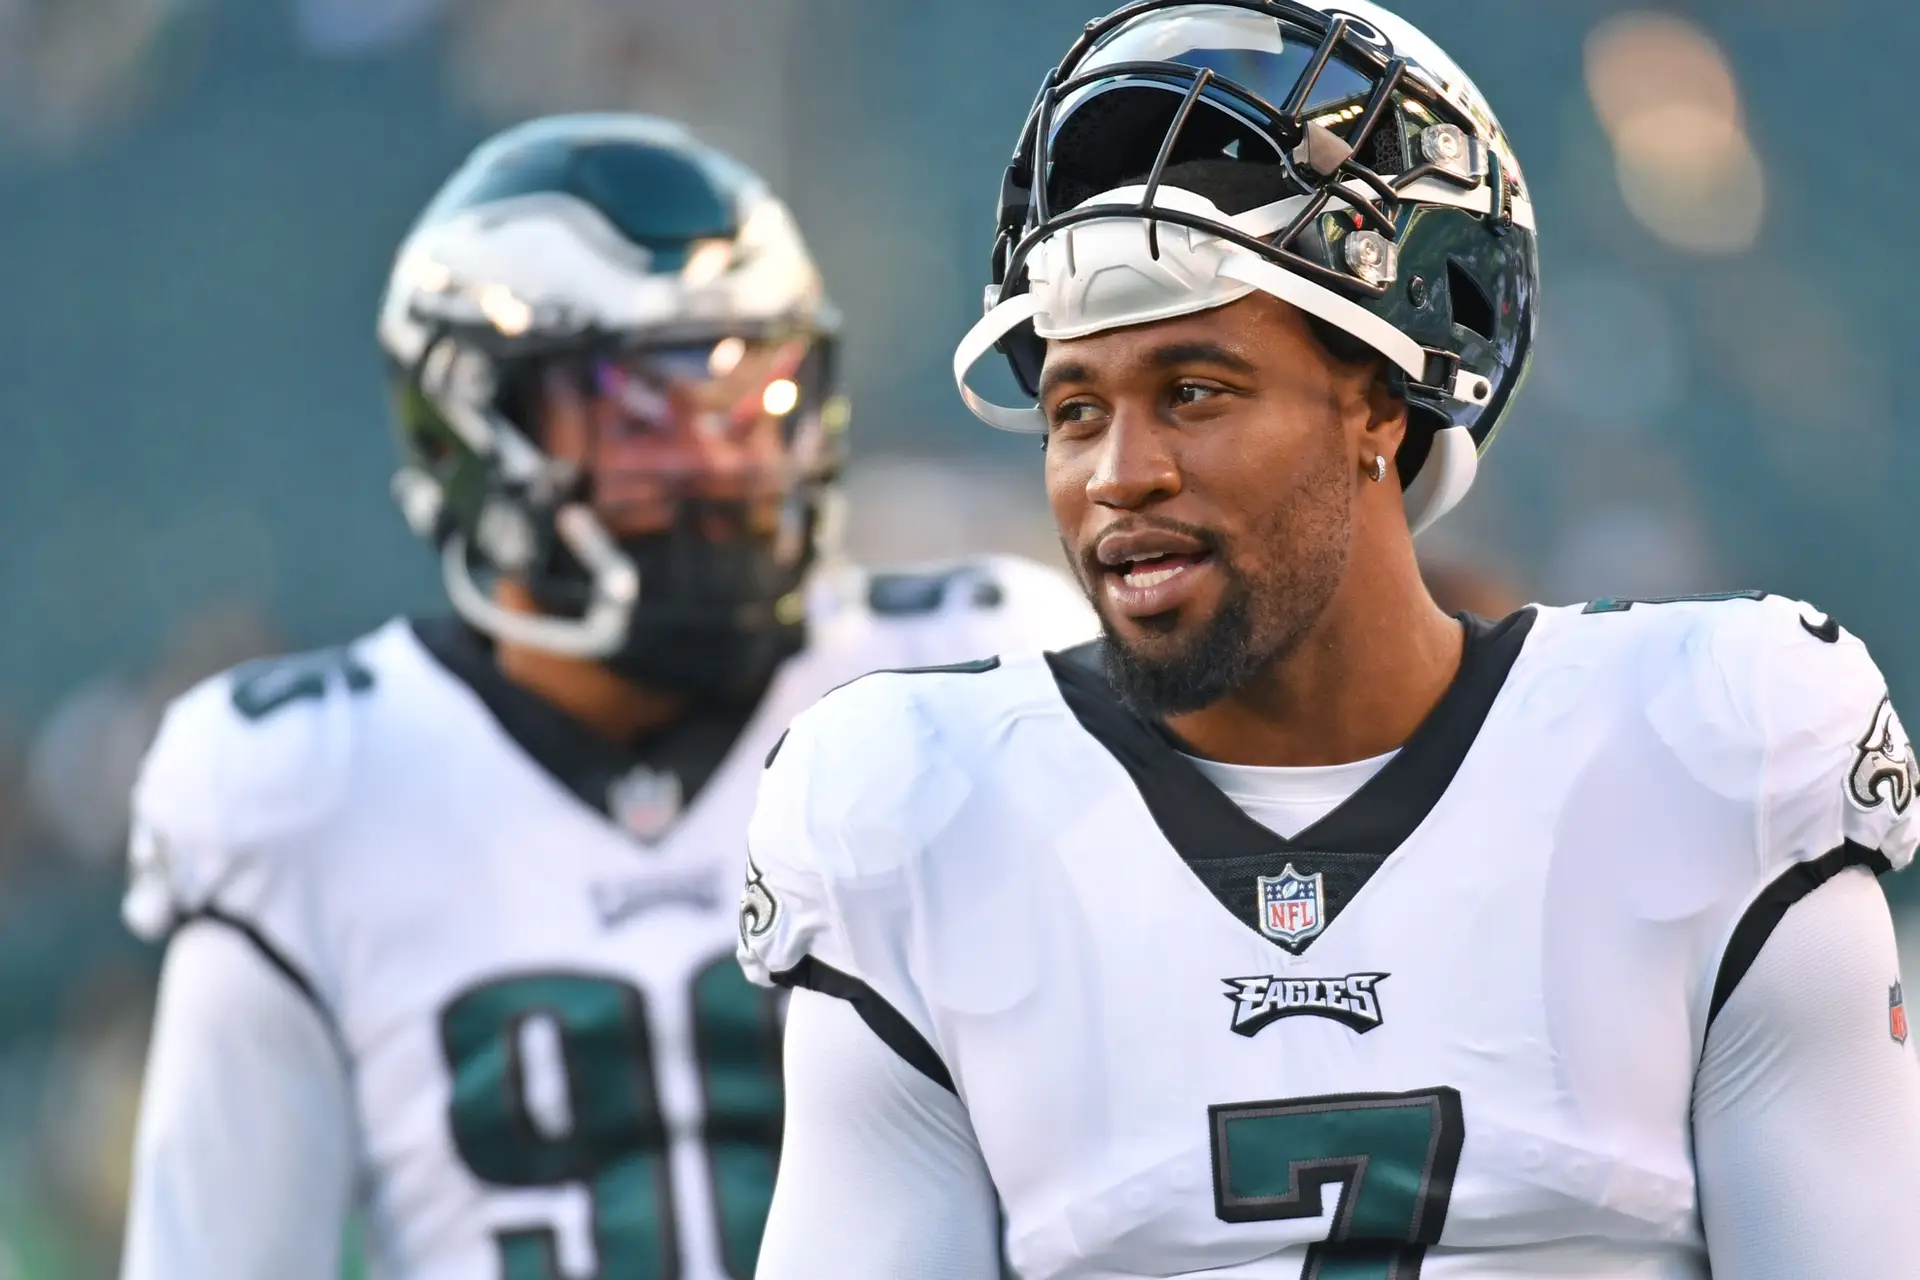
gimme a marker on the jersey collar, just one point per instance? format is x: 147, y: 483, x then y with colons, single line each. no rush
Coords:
x: 642, y: 788
x: 1227, y: 849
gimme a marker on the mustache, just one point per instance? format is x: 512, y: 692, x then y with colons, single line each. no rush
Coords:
x: 1088, y: 561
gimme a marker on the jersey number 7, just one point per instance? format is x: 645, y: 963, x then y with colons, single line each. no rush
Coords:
x: 1392, y: 1156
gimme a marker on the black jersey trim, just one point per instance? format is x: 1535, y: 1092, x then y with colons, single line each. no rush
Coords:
x: 274, y: 956
x: 885, y: 1021
x: 1203, y: 824
x: 1764, y: 914
x: 973, y: 667
x: 693, y: 748
x: 1226, y: 850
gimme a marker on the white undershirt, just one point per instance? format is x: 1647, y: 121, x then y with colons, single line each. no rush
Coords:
x: 1288, y: 801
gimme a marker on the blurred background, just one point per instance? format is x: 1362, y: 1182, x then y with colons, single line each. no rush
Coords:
x: 199, y: 200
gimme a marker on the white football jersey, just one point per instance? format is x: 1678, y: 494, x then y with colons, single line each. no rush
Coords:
x: 522, y: 938
x: 1449, y: 1030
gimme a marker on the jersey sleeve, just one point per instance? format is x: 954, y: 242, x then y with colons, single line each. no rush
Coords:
x: 851, y: 800
x: 1840, y: 770
x: 243, y: 1160
x: 1806, y: 1114
x: 1832, y: 779
x: 880, y: 1174
x: 233, y: 781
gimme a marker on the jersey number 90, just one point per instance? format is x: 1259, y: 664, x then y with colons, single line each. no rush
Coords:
x: 554, y: 1085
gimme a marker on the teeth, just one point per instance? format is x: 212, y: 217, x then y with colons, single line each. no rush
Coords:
x: 1151, y: 578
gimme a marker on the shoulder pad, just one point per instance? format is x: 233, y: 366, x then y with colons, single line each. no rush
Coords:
x: 243, y: 761
x: 1770, y: 700
x: 981, y: 605
x: 863, y: 784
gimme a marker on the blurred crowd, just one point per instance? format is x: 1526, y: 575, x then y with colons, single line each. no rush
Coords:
x: 198, y: 199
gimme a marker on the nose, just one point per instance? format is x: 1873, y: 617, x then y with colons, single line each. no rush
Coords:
x: 1135, y: 465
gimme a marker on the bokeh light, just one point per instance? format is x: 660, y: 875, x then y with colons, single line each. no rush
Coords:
x: 1666, y: 96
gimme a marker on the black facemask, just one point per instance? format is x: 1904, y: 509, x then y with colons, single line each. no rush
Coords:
x: 709, y: 619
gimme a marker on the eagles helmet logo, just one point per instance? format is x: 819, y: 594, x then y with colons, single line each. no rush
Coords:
x: 758, y: 907
x: 1884, y: 770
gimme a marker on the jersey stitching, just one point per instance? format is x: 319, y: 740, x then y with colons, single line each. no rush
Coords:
x: 883, y: 1019
x: 1764, y: 914
x: 280, y: 962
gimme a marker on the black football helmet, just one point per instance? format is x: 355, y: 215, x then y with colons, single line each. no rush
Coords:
x: 1378, y: 194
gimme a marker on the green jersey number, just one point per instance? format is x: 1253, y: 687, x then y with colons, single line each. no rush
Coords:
x: 554, y: 1084
x: 261, y: 688
x: 1392, y: 1157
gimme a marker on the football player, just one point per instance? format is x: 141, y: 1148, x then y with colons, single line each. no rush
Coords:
x: 449, y: 908
x: 1295, y: 928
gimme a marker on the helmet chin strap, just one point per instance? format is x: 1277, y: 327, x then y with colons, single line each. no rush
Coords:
x: 1103, y: 274
x: 599, y: 633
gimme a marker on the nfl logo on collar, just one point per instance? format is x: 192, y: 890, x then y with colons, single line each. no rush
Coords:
x: 645, y: 801
x: 1293, y: 907
x: 1897, y: 1014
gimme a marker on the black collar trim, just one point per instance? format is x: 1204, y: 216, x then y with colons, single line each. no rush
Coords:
x: 593, y: 769
x: 1232, y: 855
x: 1202, y: 824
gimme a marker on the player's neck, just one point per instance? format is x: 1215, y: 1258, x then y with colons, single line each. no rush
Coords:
x: 1357, y: 686
x: 605, y: 704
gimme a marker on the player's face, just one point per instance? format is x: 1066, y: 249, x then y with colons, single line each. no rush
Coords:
x: 656, y: 428
x: 1202, y: 473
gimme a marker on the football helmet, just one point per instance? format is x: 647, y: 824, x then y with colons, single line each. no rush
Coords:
x: 1378, y: 194
x: 612, y: 365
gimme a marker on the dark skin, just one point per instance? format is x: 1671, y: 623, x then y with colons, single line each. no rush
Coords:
x: 1236, y: 447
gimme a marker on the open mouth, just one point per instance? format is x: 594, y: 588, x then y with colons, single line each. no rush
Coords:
x: 1145, y: 584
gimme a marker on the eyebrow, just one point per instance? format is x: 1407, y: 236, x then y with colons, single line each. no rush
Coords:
x: 1179, y: 353
x: 1055, y: 374
x: 1171, y: 356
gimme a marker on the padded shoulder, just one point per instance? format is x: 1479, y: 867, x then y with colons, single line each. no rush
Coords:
x: 975, y: 607
x: 864, y: 785
x: 1768, y: 700
x: 243, y: 763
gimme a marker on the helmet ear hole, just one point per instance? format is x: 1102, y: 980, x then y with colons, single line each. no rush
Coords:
x: 1472, y: 308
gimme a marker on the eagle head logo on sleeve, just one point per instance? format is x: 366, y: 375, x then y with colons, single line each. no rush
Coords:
x: 1884, y: 769
x: 758, y: 906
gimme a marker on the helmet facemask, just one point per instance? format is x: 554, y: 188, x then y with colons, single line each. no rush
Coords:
x: 662, y: 517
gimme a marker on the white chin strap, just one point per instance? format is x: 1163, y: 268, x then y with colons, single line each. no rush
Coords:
x: 597, y: 634
x: 459, y: 386
x: 1102, y: 274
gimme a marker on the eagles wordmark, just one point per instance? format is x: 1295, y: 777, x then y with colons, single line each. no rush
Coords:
x: 1259, y: 1002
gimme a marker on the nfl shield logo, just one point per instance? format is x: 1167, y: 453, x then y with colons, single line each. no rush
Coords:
x: 1292, y: 906
x: 1897, y: 1014
x: 645, y: 801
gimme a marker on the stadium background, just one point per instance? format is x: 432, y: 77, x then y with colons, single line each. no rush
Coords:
x: 198, y: 200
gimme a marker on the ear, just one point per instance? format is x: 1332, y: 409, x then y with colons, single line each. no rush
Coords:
x: 1386, y: 425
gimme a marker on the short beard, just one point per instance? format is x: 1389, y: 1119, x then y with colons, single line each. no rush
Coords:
x: 1264, y: 613
x: 1206, y: 669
